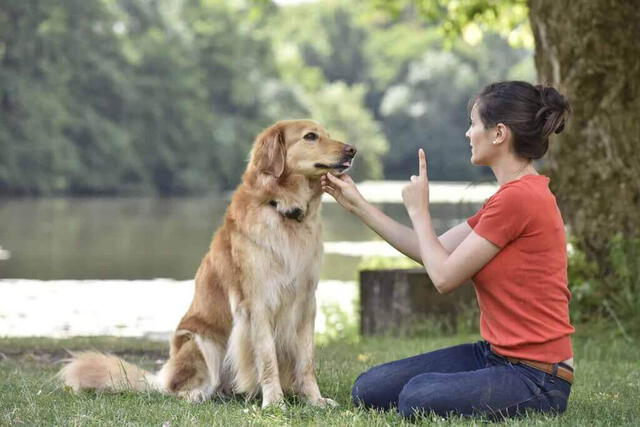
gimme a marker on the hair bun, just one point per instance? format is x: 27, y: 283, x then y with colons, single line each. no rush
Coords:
x: 552, y: 112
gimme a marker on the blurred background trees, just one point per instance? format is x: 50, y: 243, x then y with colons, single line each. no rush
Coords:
x: 165, y: 96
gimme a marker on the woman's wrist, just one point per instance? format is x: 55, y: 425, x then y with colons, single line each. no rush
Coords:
x: 419, y: 213
x: 421, y: 222
x: 361, y: 208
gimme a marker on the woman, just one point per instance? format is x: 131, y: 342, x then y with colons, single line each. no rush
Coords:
x: 513, y: 248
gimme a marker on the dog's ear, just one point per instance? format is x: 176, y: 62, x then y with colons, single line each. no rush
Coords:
x: 269, y: 152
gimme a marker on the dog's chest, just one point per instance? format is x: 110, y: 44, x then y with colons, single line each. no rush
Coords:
x: 298, y: 248
x: 291, y: 252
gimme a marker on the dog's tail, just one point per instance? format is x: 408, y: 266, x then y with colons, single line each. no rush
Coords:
x: 90, y: 370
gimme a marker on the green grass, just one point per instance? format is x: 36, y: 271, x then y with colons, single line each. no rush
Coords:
x: 606, y: 391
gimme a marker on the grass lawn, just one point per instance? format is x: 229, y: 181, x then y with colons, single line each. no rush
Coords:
x: 606, y: 391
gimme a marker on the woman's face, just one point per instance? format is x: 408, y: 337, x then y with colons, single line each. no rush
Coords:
x: 481, y: 140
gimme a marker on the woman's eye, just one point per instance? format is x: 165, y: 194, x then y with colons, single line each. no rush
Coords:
x: 311, y: 136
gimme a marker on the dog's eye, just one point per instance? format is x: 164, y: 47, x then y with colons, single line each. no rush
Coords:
x: 311, y: 136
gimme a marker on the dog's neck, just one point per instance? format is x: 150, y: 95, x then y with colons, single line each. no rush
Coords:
x: 294, y: 196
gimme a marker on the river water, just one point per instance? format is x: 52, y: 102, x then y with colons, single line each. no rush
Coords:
x: 71, y: 260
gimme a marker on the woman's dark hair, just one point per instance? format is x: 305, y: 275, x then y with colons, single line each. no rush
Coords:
x: 532, y: 113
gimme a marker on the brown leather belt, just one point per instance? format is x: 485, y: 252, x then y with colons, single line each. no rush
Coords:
x: 555, y: 369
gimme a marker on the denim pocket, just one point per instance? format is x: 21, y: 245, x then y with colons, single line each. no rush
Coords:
x: 538, y: 377
x: 553, y: 401
x: 552, y: 392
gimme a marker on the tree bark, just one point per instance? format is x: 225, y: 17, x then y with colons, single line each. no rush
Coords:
x: 590, y: 51
x: 404, y: 302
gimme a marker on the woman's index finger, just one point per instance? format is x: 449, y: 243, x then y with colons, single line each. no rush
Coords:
x: 422, y: 163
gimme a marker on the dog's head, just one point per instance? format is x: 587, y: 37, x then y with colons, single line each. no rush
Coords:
x: 300, y: 147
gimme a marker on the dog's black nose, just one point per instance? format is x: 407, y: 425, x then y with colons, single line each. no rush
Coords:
x: 295, y: 213
x: 350, y: 150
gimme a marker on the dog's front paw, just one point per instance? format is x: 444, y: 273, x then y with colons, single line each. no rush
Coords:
x: 273, y: 401
x: 324, y: 402
x: 197, y: 395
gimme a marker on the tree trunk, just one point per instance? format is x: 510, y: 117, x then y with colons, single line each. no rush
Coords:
x: 590, y: 51
x: 405, y: 302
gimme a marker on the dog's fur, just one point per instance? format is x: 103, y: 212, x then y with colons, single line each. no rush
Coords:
x: 250, y: 325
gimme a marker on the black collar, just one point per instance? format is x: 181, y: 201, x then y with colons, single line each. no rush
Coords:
x: 295, y: 213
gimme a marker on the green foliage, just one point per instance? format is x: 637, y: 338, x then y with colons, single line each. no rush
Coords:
x: 624, y: 280
x: 415, y: 88
x: 469, y: 18
x: 428, y: 107
x: 340, y: 109
x: 166, y: 96
x: 340, y: 325
x: 584, y: 282
x: 123, y: 96
x: 320, y: 54
x: 613, y: 294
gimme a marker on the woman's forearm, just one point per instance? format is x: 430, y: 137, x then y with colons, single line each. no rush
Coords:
x: 399, y: 236
x: 432, y: 252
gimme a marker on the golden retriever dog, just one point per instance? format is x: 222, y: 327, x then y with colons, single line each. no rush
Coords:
x: 250, y: 325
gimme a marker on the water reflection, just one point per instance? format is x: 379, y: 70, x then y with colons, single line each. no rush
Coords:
x: 144, y: 238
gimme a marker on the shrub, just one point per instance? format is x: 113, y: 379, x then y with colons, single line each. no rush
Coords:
x: 613, y: 292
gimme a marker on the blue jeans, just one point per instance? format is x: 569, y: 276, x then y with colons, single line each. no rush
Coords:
x: 467, y: 379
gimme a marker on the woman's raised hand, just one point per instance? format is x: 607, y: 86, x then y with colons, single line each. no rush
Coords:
x: 343, y: 189
x: 415, y: 195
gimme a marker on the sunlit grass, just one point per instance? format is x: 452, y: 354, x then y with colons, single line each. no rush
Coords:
x: 606, y: 392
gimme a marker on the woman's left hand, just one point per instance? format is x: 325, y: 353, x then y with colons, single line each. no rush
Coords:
x: 415, y: 195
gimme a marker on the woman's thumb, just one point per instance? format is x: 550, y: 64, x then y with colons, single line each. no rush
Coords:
x: 346, y: 178
x: 335, y: 180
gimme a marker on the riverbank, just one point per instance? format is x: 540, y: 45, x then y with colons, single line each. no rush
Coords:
x: 125, y: 308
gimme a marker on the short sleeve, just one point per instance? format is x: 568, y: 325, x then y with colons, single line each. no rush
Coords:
x: 503, y: 218
x: 473, y: 220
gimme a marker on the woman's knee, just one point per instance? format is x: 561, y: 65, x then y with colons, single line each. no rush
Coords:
x: 422, y: 394
x: 369, y: 391
x: 364, y: 389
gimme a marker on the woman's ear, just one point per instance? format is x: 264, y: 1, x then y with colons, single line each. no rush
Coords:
x: 269, y: 152
x: 502, y: 133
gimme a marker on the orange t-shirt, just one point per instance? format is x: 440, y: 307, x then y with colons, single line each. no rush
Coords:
x: 522, y: 292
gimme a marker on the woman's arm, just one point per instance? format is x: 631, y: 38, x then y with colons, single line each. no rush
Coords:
x: 399, y: 236
x: 446, y: 270
x: 450, y: 270
x: 452, y: 238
